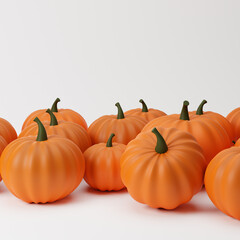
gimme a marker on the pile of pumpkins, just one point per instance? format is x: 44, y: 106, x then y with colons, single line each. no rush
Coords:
x: 163, y: 160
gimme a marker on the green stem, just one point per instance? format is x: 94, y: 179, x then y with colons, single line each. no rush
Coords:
x: 109, y: 142
x: 42, y: 134
x: 53, y: 121
x: 233, y: 142
x: 144, y: 106
x: 161, y: 146
x: 200, y: 108
x: 54, y: 106
x: 184, y: 113
x: 120, y: 111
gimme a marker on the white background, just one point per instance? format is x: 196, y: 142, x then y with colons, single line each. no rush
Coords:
x: 94, y: 53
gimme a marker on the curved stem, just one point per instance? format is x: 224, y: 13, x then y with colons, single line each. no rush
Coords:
x: 144, y: 106
x: 161, y: 146
x: 53, y: 121
x: 42, y: 134
x: 184, y: 113
x: 200, y: 107
x: 54, y: 106
x: 120, y: 111
x: 109, y: 142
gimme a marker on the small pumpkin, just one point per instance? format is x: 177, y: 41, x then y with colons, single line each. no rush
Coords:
x: 42, y: 169
x: 214, y: 116
x: 163, y: 168
x: 211, y: 136
x: 222, y: 181
x: 147, y: 114
x: 70, y: 130
x: 7, y: 131
x: 125, y: 128
x: 61, y: 114
x: 3, y: 144
x: 234, y: 118
x: 103, y: 165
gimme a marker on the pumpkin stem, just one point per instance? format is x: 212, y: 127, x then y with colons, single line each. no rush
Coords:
x: 120, y: 111
x: 53, y: 121
x: 54, y: 106
x: 200, y: 108
x: 42, y: 134
x: 144, y: 106
x: 161, y: 146
x: 184, y: 113
x: 109, y: 142
x: 233, y: 142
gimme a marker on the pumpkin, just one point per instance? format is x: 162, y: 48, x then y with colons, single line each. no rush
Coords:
x: 42, y: 169
x: 222, y: 181
x: 125, y: 128
x: 234, y: 118
x: 211, y: 136
x: 103, y: 165
x: 163, y: 168
x: 215, y: 116
x: 3, y: 144
x: 61, y: 114
x: 7, y: 131
x: 147, y: 114
x: 70, y: 130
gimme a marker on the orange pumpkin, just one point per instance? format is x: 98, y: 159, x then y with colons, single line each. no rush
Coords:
x: 103, y: 165
x: 3, y: 144
x: 234, y: 118
x: 61, y: 114
x: 211, y: 136
x: 222, y: 181
x: 163, y: 168
x: 125, y: 128
x: 70, y: 130
x: 147, y: 114
x: 7, y: 131
x: 214, y: 116
x: 237, y: 143
x: 42, y: 170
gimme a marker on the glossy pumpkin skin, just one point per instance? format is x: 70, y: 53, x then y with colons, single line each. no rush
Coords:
x: 222, y: 181
x: 145, y: 113
x: 221, y: 120
x: 7, y: 131
x: 70, y: 130
x: 234, y: 118
x: 210, y: 135
x: 42, y: 171
x: 61, y: 114
x: 163, y: 180
x: 3, y: 144
x: 125, y: 128
x: 103, y: 166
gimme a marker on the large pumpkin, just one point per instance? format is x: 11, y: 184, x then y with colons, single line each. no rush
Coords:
x: 234, y: 118
x: 61, y: 114
x: 214, y: 116
x: 7, y: 131
x: 222, y: 181
x: 70, y: 130
x: 103, y: 165
x: 147, y: 114
x: 42, y: 169
x: 3, y: 144
x: 211, y: 136
x: 163, y: 168
x: 125, y: 128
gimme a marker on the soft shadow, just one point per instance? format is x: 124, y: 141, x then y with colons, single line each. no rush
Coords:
x: 90, y: 190
x: 3, y: 189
